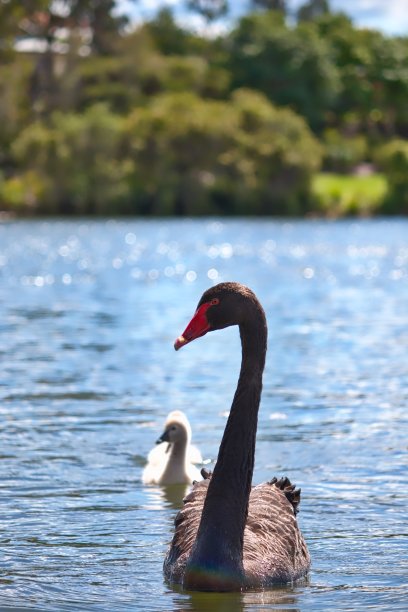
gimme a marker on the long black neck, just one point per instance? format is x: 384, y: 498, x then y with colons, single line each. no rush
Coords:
x: 216, y: 559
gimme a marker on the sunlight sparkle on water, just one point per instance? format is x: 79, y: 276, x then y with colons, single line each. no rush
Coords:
x: 90, y: 311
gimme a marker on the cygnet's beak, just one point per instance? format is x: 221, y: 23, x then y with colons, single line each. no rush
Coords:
x: 164, y: 437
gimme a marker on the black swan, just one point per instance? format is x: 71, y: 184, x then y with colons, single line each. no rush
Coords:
x: 229, y: 535
x: 171, y: 461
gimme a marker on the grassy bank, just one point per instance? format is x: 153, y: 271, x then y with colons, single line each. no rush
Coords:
x: 339, y: 195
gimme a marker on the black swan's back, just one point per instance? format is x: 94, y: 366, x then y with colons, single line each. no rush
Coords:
x: 274, y: 550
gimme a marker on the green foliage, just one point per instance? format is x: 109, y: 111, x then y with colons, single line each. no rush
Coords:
x: 389, y: 75
x: 197, y: 157
x: 373, y: 73
x: 393, y: 159
x: 312, y: 10
x: 275, y: 154
x: 183, y: 74
x: 163, y: 120
x: 75, y: 159
x: 342, y: 153
x: 175, y: 144
x: 108, y: 80
x: 124, y: 83
x: 209, y: 9
x: 23, y: 193
x: 15, y: 109
x: 171, y: 39
x: 168, y: 37
x: 180, y: 155
x: 290, y: 66
x: 271, y: 5
x: 337, y: 195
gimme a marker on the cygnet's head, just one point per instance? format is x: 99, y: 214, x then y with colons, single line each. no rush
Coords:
x: 176, y: 430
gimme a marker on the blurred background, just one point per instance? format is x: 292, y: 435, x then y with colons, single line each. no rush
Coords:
x: 264, y: 107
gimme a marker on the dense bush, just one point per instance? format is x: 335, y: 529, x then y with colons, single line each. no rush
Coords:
x: 180, y: 155
x: 275, y: 156
x: 241, y: 156
x: 393, y: 159
x: 76, y: 162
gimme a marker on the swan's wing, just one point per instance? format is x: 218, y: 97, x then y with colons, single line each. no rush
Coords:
x: 194, y: 455
x: 149, y: 475
x: 274, y: 548
x: 186, y: 526
x: 156, y: 463
x: 158, y: 456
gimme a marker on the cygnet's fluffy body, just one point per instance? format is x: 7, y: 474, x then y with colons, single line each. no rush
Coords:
x: 171, y: 462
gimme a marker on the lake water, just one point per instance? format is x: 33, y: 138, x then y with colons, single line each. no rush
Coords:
x: 89, y: 313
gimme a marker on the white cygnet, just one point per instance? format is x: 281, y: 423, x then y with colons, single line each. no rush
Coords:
x: 171, y: 462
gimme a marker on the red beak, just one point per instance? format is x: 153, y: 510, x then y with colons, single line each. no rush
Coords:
x: 197, y: 327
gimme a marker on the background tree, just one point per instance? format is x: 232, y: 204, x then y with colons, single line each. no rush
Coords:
x: 292, y: 66
x: 271, y: 5
x: 169, y: 38
x: 242, y: 155
x: 393, y: 159
x: 313, y: 9
x: 100, y: 17
x: 99, y: 118
x: 60, y: 32
x: 373, y: 77
x: 73, y: 163
x: 211, y: 10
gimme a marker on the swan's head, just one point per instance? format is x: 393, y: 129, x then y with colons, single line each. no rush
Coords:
x: 177, y: 429
x: 220, y: 306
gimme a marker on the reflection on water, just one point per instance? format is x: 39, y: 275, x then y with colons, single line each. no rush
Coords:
x: 278, y: 599
x: 174, y: 495
x: 170, y: 495
x: 89, y: 314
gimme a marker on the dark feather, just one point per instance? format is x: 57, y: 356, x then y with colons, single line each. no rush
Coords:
x: 274, y: 549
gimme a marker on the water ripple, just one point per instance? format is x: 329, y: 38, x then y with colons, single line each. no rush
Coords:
x: 90, y: 310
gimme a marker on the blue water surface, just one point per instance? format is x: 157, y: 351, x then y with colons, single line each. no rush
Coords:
x: 89, y: 313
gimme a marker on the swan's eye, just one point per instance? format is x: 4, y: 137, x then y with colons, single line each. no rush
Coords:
x: 173, y: 428
x: 214, y: 301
